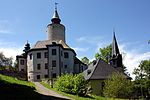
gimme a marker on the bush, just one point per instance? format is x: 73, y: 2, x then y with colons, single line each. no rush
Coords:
x: 117, y: 86
x: 69, y: 83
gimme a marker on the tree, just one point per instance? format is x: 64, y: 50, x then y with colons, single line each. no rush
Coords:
x: 104, y: 53
x: 142, y: 77
x: 4, y: 61
x: 117, y: 86
x: 69, y: 83
x: 85, y: 60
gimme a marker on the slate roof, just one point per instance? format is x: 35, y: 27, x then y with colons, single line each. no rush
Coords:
x: 99, y: 69
x: 42, y: 44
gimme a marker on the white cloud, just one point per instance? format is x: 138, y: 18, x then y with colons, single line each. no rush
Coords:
x: 10, y: 49
x: 77, y: 49
x: 11, y: 52
x: 132, y: 58
x: 89, y: 39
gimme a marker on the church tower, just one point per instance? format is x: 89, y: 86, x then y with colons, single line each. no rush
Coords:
x: 55, y: 30
x: 116, y: 60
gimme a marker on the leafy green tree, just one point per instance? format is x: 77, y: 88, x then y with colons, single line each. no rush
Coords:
x: 142, y: 77
x: 104, y: 53
x: 4, y: 61
x: 69, y: 83
x: 117, y: 86
x: 85, y: 60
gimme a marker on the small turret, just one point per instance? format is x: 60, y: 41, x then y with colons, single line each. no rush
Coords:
x: 27, y: 47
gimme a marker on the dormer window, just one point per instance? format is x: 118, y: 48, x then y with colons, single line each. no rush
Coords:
x: 88, y: 72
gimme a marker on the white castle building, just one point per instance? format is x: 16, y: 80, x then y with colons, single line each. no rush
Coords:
x: 50, y: 58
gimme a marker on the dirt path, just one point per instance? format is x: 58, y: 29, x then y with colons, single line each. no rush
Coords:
x: 52, y: 95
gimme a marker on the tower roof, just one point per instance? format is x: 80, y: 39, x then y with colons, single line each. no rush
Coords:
x: 55, y: 18
x: 115, y: 49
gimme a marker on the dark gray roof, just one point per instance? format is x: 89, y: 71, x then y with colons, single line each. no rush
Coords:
x: 99, y: 69
x: 42, y: 44
x: 115, y: 49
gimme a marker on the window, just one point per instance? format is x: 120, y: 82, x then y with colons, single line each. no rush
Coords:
x: 53, y: 63
x: 38, y: 76
x: 46, y: 65
x: 38, y: 66
x: 46, y: 76
x: 30, y: 56
x: 21, y: 62
x: 53, y: 51
x: 66, y: 55
x: 38, y: 55
x: 46, y: 54
x: 61, y: 53
x: 65, y: 66
x: 54, y: 75
x: 22, y: 70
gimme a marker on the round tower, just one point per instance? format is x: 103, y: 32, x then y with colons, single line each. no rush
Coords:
x: 55, y: 30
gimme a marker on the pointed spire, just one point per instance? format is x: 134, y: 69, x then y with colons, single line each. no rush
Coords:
x: 115, y: 49
x: 55, y: 18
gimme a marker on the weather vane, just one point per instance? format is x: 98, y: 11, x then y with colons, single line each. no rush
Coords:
x: 56, y: 5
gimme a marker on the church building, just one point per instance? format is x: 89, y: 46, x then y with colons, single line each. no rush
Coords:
x: 50, y: 58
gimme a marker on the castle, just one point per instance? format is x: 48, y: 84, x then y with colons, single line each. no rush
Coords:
x: 50, y: 58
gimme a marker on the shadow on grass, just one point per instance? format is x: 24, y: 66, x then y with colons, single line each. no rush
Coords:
x: 10, y: 91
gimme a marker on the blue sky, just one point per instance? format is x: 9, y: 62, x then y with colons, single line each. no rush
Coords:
x: 89, y: 25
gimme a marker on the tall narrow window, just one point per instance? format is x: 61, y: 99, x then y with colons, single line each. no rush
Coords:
x: 38, y: 66
x: 53, y: 51
x: 46, y: 54
x: 30, y: 56
x: 65, y: 66
x: 21, y: 62
x: 53, y: 63
x: 46, y: 65
x: 38, y: 55
x: 66, y: 55
x: 54, y: 75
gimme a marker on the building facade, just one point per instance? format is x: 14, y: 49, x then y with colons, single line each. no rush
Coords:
x: 50, y: 58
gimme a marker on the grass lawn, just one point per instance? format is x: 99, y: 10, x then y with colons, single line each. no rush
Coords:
x: 76, y: 97
x: 14, y: 89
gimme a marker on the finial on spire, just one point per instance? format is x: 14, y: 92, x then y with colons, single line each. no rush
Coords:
x: 55, y: 18
x: 56, y: 5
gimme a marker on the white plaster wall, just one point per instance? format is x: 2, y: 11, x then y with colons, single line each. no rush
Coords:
x: 32, y: 65
x: 22, y: 66
x: 69, y: 61
x: 54, y: 57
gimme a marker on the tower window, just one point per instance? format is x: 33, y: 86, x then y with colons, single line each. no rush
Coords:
x: 21, y: 62
x: 38, y: 66
x: 66, y: 55
x: 38, y: 76
x: 30, y: 56
x: 46, y: 54
x: 46, y: 65
x: 54, y: 75
x: 53, y: 63
x: 53, y: 51
x: 39, y: 55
